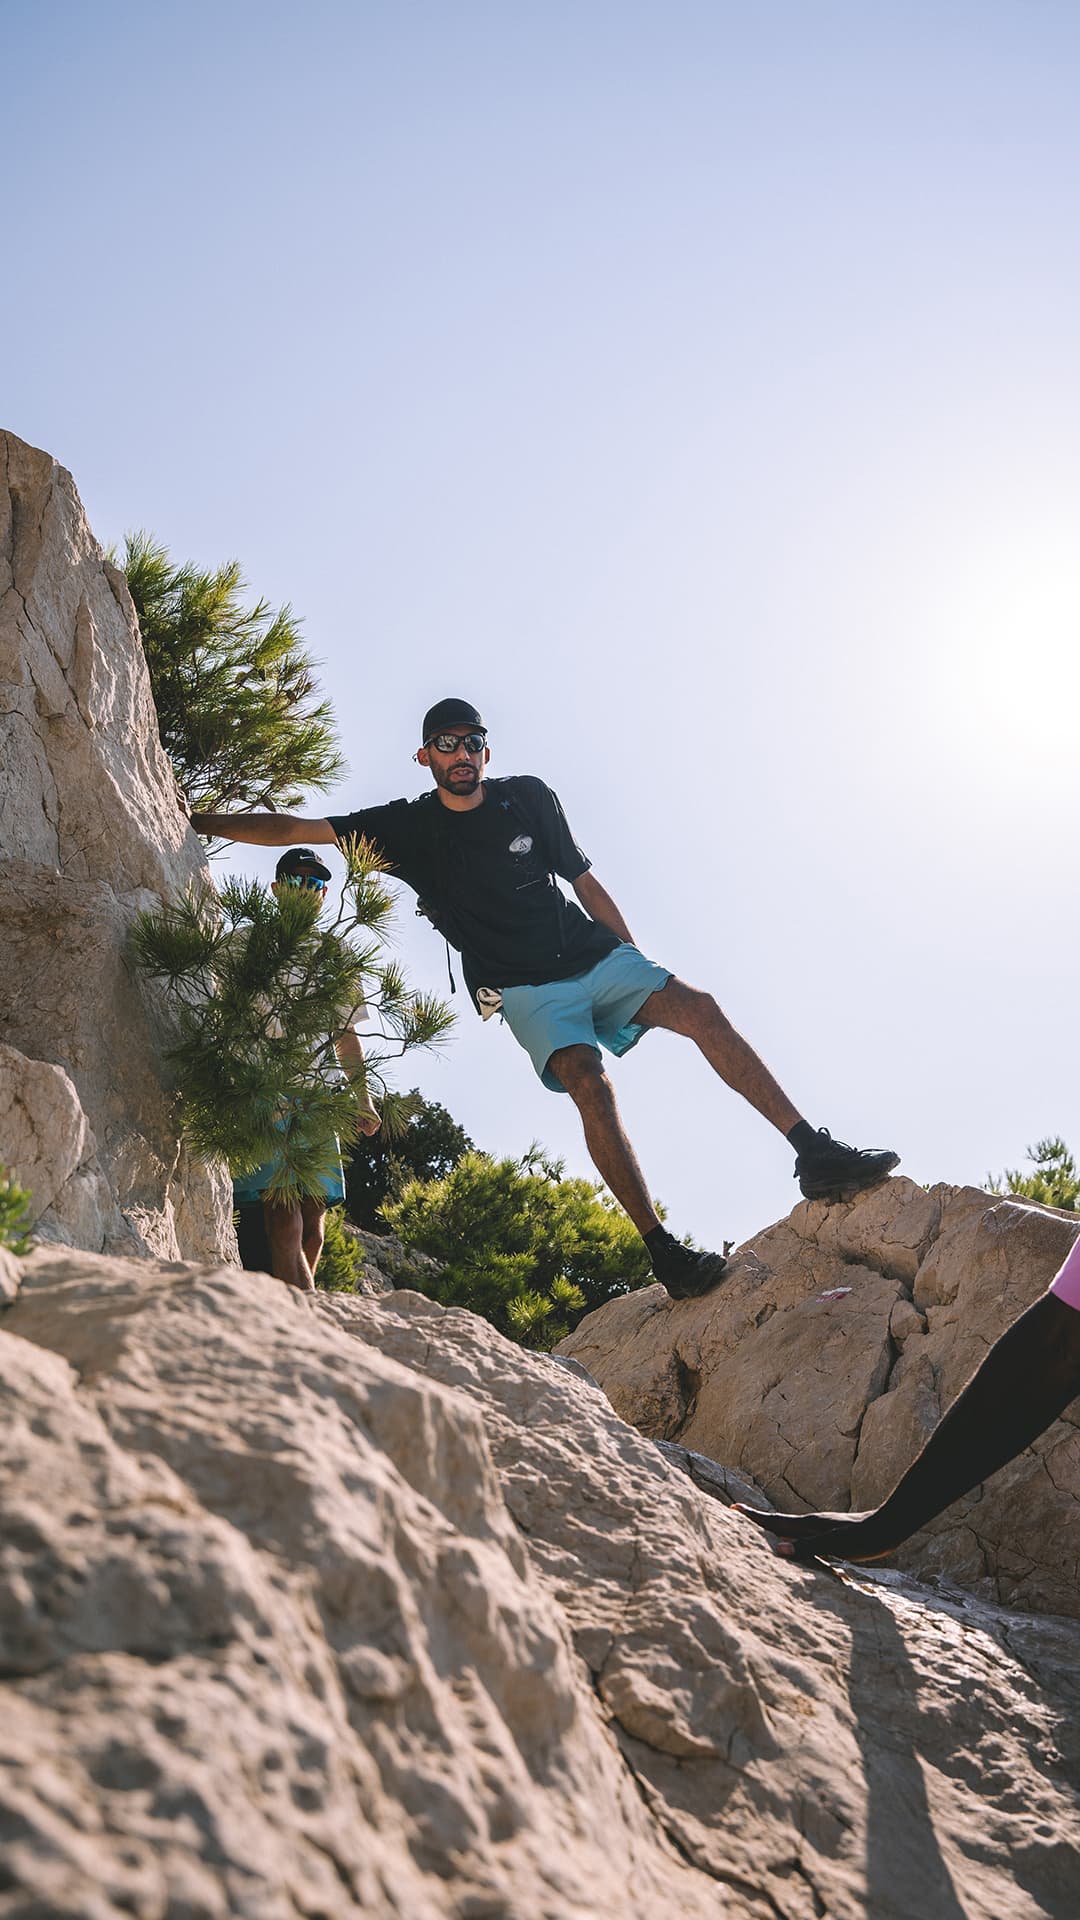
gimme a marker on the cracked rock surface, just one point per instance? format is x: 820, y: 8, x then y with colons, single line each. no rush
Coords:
x: 327, y: 1606
x: 90, y: 833
x: 830, y: 1352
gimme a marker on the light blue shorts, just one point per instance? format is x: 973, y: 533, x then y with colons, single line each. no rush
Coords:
x: 252, y: 1186
x: 593, y: 1009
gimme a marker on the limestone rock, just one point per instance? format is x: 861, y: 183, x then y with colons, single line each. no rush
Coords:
x: 90, y: 833
x: 10, y: 1275
x: 45, y: 1132
x: 388, y: 1263
x: 334, y: 1606
x: 829, y: 1354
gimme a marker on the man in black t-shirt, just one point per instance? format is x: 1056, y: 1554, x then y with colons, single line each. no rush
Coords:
x: 483, y: 856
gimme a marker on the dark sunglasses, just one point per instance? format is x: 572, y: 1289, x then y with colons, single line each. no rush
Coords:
x: 450, y: 742
x: 310, y: 880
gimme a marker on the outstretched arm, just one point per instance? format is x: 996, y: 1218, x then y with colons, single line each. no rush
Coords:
x: 264, y: 829
x: 600, y: 906
x: 1028, y: 1378
x: 350, y: 1052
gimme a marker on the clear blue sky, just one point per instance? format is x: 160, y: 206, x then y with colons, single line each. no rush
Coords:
x: 693, y: 386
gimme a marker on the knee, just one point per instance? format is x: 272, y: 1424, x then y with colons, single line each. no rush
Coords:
x: 581, y: 1072
x: 693, y: 1008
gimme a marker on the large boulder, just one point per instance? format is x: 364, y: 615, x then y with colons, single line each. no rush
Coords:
x: 828, y: 1355
x: 90, y: 833
x: 333, y: 1606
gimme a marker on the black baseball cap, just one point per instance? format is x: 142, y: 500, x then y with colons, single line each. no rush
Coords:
x: 301, y: 857
x: 449, y: 713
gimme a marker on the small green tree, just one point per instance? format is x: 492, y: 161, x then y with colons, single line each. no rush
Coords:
x: 261, y: 991
x: 1054, y: 1182
x: 342, y: 1260
x: 235, y: 691
x: 430, y: 1143
x: 14, y: 1224
x: 520, y: 1244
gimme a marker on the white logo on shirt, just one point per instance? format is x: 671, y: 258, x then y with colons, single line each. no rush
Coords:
x: 523, y: 843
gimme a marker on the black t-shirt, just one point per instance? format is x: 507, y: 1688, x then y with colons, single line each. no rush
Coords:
x: 486, y: 879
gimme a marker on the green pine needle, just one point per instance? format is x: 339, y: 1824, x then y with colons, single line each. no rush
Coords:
x: 259, y: 988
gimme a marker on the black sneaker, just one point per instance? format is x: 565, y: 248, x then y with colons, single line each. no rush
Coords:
x: 684, y: 1273
x: 834, y: 1171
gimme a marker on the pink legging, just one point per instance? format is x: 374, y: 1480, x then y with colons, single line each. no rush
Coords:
x: 1066, y: 1283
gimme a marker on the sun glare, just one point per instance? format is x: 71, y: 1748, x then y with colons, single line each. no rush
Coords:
x: 1003, y: 645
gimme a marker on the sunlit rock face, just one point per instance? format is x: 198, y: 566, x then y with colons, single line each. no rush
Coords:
x: 90, y: 832
x: 828, y: 1355
x: 312, y: 1605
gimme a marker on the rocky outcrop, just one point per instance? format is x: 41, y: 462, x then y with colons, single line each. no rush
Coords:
x: 828, y: 1355
x: 334, y: 1606
x: 90, y: 833
x: 388, y: 1263
x: 341, y: 1605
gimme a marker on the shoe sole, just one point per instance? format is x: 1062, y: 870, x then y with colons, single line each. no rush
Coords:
x: 850, y: 1188
x: 699, y: 1293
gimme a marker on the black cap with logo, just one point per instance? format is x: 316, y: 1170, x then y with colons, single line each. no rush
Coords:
x: 449, y: 713
x: 301, y: 860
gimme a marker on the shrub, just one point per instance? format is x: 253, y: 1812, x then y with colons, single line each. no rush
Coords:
x: 342, y: 1261
x: 520, y: 1244
x: 430, y: 1143
x: 14, y: 1224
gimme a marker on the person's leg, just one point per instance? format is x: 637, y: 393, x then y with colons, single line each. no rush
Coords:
x: 313, y: 1232
x: 826, y: 1169
x: 684, y: 1271
x: 1028, y: 1378
x: 251, y: 1236
x: 687, y: 1010
x: 285, y: 1232
x: 581, y: 1071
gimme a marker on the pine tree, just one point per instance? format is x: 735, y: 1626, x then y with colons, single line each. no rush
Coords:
x: 261, y: 989
x: 1055, y: 1181
x: 235, y: 691
x: 429, y: 1145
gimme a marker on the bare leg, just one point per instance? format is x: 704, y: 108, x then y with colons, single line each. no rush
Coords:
x: 1028, y: 1378
x: 687, y: 1010
x: 581, y: 1072
x: 285, y: 1232
x: 313, y: 1232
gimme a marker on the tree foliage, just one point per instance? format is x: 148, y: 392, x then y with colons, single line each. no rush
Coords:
x: 342, y: 1262
x: 14, y: 1224
x: 237, y: 704
x: 1054, y: 1182
x: 520, y: 1244
x: 429, y: 1145
x: 261, y: 990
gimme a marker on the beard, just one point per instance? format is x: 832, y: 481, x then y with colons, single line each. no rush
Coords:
x: 458, y: 779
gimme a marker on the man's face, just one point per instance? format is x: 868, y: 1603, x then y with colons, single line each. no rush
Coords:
x: 310, y: 881
x: 461, y: 770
